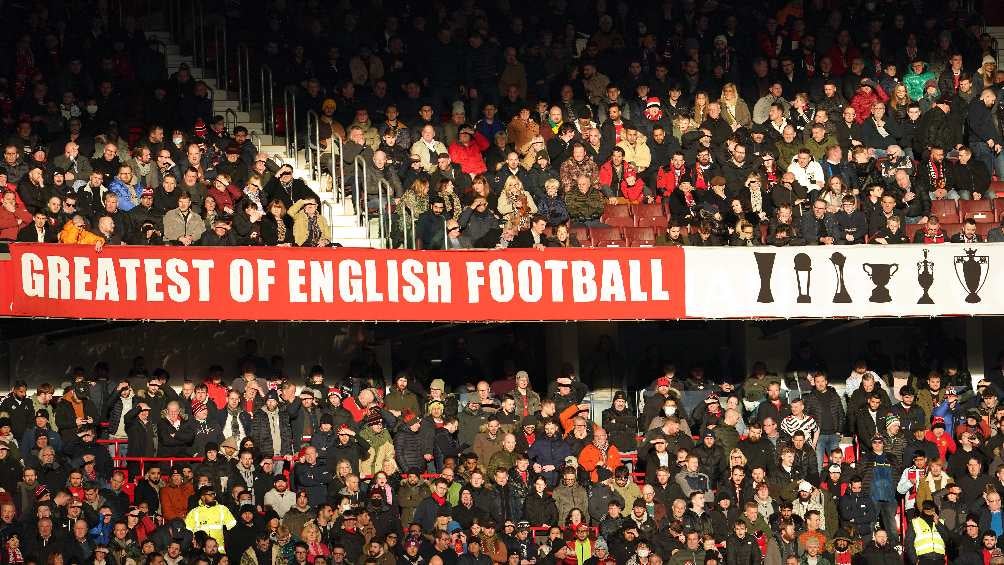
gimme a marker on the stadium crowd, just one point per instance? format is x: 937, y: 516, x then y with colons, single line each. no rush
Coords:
x: 770, y: 122
x: 258, y: 469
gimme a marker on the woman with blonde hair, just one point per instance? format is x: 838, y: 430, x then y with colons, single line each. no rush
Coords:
x: 311, y: 535
x: 414, y: 201
x: 700, y: 107
x: 737, y: 458
x: 516, y: 205
x: 833, y: 194
x: 734, y: 109
x: 898, y: 102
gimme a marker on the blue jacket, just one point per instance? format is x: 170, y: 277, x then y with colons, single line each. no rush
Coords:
x: 124, y: 193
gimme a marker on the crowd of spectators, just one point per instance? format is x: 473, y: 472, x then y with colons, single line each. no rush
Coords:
x: 260, y: 468
x: 819, y: 124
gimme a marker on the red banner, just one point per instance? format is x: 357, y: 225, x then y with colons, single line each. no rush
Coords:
x: 272, y: 283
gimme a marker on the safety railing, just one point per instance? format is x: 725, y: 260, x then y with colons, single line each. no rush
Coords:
x: 359, y: 197
x: 221, y: 64
x: 312, y: 153
x: 267, y: 103
x: 243, y: 78
x: 337, y: 147
x: 408, y: 227
x: 230, y: 120
x: 199, y: 33
x: 289, y: 110
x: 384, y: 199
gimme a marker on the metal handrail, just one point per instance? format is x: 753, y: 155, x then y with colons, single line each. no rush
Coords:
x: 222, y: 63
x: 312, y: 154
x: 361, y: 204
x: 267, y: 106
x: 227, y: 121
x: 404, y: 228
x: 244, y: 77
x: 289, y: 109
x: 339, y: 188
x: 383, y: 213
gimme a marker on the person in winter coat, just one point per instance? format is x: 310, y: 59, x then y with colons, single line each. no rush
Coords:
x: 467, y: 151
x: 619, y: 179
x: 413, y: 443
x: 348, y: 447
x: 270, y: 428
x: 621, y: 424
x: 879, y: 551
x: 125, y: 188
x: 917, y: 79
x: 548, y: 453
x: 856, y: 508
x: 868, y: 93
x: 741, y: 548
x: 539, y: 508
x: 570, y: 495
x: 381, y: 444
x: 174, y: 495
x: 73, y: 411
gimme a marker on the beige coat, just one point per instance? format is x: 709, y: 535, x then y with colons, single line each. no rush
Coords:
x: 300, y: 221
x: 637, y: 154
x: 428, y: 160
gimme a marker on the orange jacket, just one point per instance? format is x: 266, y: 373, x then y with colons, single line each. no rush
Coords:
x: 174, y: 500
x: 591, y: 460
x: 73, y: 234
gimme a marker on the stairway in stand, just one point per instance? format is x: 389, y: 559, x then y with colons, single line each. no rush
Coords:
x: 346, y: 228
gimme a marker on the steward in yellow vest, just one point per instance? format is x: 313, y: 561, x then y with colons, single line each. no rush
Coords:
x: 926, y: 537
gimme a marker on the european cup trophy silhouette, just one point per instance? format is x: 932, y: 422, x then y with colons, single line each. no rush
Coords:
x: 803, y: 277
x: 925, y: 278
x: 880, y: 274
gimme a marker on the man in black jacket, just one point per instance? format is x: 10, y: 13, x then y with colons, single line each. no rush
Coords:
x: 740, y: 548
x: 44, y: 542
x: 39, y: 230
x: 824, y: 405
x: 985, y: 139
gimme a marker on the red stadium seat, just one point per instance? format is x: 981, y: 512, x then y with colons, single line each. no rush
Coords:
x: 998, y: 187
x: 946, y: 211
x: 581, y: 233
x: 911, y: 229
x: 763, y: 233
x: 979, y: 210
x: 999, y: 208
x: 616, y: 211
x: 651, y: 221
x: 648, y: 210
x: 604, y: 237
x: 618, y: 221
x: 639, y: 236
x: 951, y: 229
x: 984, y: 229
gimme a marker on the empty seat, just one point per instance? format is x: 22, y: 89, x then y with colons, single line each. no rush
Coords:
x: 602, y: 237
x: 997, y: 188
x: 581, y: 233
x: 618, y: 221
x: 639, y: 236
x: 911, y: 229
x: 999, y: 208
x: 984, y: 229
x: 946, y: 211
x: 648, y: 210
x: 980, y: 210
x: 651, y: 221
x: 617, y: 211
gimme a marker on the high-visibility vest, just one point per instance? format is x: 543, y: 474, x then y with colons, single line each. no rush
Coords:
x: 926, y: 538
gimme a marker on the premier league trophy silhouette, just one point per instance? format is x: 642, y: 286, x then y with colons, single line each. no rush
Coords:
x: 765, y: 266
x: 880, y: 274
x: 972, y: 271
x: 841, y: 296
x: 925, y: 278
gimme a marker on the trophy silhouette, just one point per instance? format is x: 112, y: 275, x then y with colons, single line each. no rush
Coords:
x: 925, y: 278
x: 803, y: 277
x: 969, y: 269
x: 841, y: 296
x: 880, y: 274
x: 765, y: 266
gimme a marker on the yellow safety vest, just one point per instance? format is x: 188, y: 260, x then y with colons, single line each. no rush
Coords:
x: 212, y: 520
x: 926, y: 538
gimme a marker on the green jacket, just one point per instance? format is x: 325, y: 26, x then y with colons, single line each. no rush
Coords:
x: 584, y: 207
x: 915, y: 83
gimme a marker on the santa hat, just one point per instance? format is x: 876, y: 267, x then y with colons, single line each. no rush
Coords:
x: 652, y: 102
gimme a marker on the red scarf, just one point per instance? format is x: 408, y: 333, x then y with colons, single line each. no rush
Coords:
x: 439, y: 499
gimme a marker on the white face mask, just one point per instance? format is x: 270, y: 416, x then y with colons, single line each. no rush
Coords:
x: 346, y: 507
x: 643, y: 553
x: 178, y: 140
x: 669, y: 410
x: 92, y: 109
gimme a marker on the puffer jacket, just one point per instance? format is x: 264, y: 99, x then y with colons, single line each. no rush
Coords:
x: 262, y: 433
x: 549, y: 450
x: 411, y: 447
x: 816, y: 403
x: 469, y: 157
x: 540, y: 509
x: 128, y: 195
x: 863, y: 101
x: 73, y: 234
x: 632, y: 192
x: 621, y: 428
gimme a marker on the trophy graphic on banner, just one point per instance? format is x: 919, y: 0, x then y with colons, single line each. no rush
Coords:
x: 880, y: 274
x: 765, y: 266
x: 925, y: 278
x: 803, y: 276
x: 972, y: 270
x: 841, y: 296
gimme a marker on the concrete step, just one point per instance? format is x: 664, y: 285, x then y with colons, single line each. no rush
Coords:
x: 160, y: 34
x: 360, y: 243
x: 351, y: 232
x: 220, y: 105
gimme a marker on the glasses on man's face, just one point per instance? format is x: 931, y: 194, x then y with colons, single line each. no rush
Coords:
x: 258, y: 186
